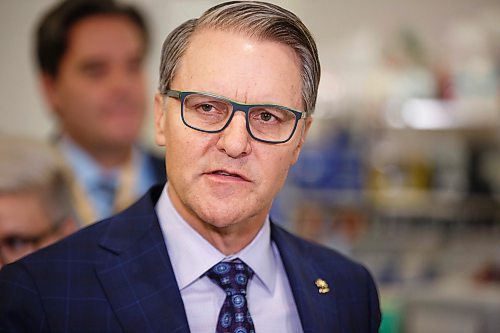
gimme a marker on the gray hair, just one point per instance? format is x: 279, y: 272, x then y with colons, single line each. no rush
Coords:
x: 30, y: 166
x: 259, y: 20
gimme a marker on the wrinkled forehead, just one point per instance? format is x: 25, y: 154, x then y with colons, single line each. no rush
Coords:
x: 240, y: 67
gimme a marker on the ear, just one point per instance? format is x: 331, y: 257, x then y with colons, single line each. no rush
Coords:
x: 48, y: 86
x: 159, y: 110
x: 302, y: 139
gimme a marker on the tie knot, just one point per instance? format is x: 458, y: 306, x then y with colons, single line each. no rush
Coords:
x: 106, y: 184
x: 231, y: 276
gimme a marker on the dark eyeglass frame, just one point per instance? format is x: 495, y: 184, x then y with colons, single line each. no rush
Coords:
x: 181, y: 95
x: 9, y: 243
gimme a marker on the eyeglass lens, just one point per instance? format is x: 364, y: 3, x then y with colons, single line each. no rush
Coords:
x: 211, y: 114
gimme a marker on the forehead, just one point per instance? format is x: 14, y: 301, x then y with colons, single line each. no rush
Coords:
x: 22, y: 212
x: 240, y: 67
x: 104, y: 35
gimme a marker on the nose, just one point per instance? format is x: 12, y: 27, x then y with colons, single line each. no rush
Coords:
x: 234, y: 140
x: 117, y: 83
x: 122, y: 81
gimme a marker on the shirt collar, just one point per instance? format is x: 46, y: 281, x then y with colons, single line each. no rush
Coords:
x: 191, y: 262
x: 86, y: 169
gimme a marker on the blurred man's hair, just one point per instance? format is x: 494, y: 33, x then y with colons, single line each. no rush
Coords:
x: 54, y: 27
x: 258, y: 20
x: 28, y: 166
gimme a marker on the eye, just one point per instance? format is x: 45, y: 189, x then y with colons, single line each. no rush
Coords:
x: 16, y: 243
x: 134, y: 65
x: 94, y: 70
x: 266, y: 116
x: 207, y: 107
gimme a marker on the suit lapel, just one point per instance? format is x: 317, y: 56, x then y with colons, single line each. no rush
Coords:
x: 137, y: 275
x: 317, y: 312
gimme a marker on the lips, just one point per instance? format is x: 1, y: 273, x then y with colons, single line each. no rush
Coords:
x: 228, y: 173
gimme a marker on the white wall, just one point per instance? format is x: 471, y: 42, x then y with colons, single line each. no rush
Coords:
x: 21, y: 106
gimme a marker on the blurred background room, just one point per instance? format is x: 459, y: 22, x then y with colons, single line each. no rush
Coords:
x: 401, y: 170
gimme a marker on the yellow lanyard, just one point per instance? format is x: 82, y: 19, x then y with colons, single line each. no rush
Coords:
x: 125, y: 193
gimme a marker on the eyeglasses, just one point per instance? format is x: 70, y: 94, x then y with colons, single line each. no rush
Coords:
x: 13, y: 247
x: 210, y: 113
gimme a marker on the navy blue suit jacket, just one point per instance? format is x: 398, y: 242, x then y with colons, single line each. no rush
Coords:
x: 116, y: 276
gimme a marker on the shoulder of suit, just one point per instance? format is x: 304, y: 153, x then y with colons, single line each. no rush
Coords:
x: 79, y: 246
x: 320, y: 254
x: 83, y: 245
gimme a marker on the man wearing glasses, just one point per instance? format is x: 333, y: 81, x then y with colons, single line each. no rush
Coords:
x: 35, y: 208
x: 237, y: 89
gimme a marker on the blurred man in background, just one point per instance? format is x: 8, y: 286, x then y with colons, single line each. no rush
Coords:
x: 35, y: 209
x: 90, y: 57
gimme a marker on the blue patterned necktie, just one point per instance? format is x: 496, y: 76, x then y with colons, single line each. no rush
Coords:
x: 233, y: 277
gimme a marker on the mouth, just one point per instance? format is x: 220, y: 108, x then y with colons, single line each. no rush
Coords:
x: 227, y: 174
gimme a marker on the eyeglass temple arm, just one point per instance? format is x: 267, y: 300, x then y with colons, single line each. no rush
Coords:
x: 173, y: 93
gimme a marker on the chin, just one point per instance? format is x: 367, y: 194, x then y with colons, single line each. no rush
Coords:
x: 222, y: 217
x: 125, y: 130
x: 122, y: 139
x: 221, y: 220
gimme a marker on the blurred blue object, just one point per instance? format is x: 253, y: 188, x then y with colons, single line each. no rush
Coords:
x: 334, y: 163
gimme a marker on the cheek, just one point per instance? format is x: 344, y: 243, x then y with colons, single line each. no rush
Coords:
x: 185, y: 140
x: 137, y: 88
x: 83, y: 115
x: 140, y: 84
x: 181, y: 146
x: 275, y: 167
x: 83, y: 102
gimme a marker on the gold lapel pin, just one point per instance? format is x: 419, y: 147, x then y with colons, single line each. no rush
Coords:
x: 322, y: 286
